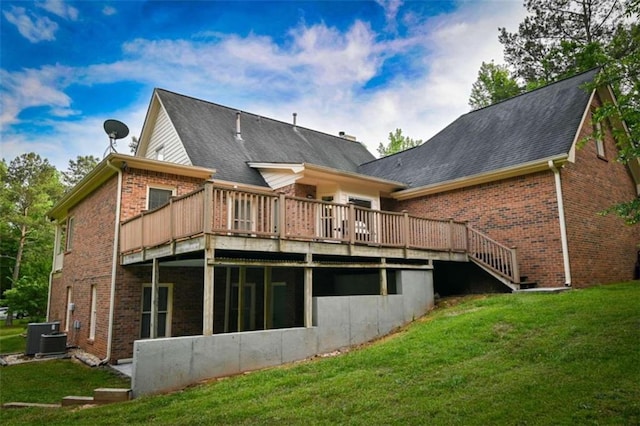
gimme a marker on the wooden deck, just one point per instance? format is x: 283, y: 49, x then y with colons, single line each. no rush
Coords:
x: 268, y: 222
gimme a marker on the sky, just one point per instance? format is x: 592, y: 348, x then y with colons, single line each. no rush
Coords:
x: 365, y: 68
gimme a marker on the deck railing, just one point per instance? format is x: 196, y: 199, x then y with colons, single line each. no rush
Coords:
x: 226, y: 211
x: 499, y: 258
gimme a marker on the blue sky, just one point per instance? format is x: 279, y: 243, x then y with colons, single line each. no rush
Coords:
x: 365, y: 68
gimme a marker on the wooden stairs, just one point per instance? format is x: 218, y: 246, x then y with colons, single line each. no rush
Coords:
x: 100, y: 396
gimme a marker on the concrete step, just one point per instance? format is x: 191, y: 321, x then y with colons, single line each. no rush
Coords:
x: 528, y: 284
x: 108, y: 395
x: 28, y: 405
x: 77, y: 400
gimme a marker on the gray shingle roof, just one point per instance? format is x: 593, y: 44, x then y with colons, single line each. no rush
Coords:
x: 533, y: 126
x: 207, y: 131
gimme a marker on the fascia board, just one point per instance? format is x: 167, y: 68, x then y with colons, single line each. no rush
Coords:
x: 494, y: 175
x: 102, y: 172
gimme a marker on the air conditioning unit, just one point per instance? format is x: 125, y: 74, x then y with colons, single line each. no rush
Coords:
x: 35, y: 330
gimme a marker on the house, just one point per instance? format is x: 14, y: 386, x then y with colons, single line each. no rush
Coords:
x: 232, y: 241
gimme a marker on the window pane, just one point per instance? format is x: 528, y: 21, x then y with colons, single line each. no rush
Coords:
x: 146, y: 326
x: 158, y: 197
x: 162, y: 325
x: 163, y: 299
x: 146, y: 299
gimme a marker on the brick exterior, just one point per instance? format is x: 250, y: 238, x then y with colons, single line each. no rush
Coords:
x: 601, y: 248
x: 135, y: 185
x: 519, y: 211
x: 88, y: 263
x: 523, y: 212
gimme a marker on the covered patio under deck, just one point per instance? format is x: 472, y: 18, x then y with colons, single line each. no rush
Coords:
x: 231, y: 234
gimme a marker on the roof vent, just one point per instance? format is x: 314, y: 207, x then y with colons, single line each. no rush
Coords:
x: 295, y: 119
x: 238, y: 131
x: 343, y: 135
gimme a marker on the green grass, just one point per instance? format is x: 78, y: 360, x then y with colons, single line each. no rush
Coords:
x: 535, y: 359
x: 11, y: 338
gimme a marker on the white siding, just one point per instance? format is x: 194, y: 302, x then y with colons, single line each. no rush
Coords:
x: 279, y: 179
x: 164, y: 135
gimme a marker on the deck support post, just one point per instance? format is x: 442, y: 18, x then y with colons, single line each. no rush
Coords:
x: 383, y: 277
x: 308, y: 293
x: 207, y: 309
x: 155, y: 278
x: 268, y: 297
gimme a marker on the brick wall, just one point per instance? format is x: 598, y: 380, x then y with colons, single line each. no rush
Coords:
x: 523, y: 212
x: 186, y: 318
x: 135, y: 186
x: 88, y: 264
x: 519, y: 212
x: 602, y: 248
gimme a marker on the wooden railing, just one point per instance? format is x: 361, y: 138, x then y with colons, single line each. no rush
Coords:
x: 500, y: 259
x: 263, y: 214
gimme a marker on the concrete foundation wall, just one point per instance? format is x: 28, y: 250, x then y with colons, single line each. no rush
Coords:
x: 167, y: 364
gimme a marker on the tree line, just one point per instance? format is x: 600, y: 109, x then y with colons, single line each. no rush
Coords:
x: 30, y: 187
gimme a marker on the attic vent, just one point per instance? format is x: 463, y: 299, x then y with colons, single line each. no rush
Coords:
x: 343, y: 135
x: 238, y: 130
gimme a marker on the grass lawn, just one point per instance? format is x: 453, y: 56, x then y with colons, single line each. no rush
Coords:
x: 11, y: 339
x: 550, y: 359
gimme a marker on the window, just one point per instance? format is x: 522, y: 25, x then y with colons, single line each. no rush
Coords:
x: 70, y: 230
x: 92, y: 318
x: 163, y: 320
x: 67, y: 319
x: 158, y: 197
x: 159, y: 153
x: 598, y: 136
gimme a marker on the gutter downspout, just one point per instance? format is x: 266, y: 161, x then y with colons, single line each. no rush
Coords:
x: 53, y: 267
x: 563, y: 225
x: 114, y: 264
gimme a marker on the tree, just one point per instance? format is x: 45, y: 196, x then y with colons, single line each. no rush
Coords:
x: 29, y: 188
x: 397, y: 142
x: 560, y: 38
x: 494, y: 84
x: 28, y: 296
x: 78, y: 169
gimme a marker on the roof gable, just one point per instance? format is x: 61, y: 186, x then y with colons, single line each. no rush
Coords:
x: 208, y: 134
x: 536, y: 126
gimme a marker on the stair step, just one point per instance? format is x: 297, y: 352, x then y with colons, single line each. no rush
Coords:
x: 77, y: 400
x: 107, y: 395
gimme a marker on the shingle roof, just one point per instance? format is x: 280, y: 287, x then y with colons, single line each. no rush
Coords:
x: 533, y: 126
x: 208, y: 130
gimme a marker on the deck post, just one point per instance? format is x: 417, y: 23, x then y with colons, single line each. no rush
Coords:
x: 155, y: 278
x: 383, y: 278
x: 242, y: 279
x: 268, y: 296
x: 451, y: 234
x: 405, y: 228
x: 308, y: 293
x: 514, y: 265
x: 352, y: 223
x: 207, y: 201
x: 282, y: 213
x: 207, y: 309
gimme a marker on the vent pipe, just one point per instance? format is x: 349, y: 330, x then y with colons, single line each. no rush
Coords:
x: 238, y: 131
x: 343, y: 135
x: 295, y: 119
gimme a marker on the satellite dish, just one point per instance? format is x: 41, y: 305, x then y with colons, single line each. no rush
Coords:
x: 115, y: 130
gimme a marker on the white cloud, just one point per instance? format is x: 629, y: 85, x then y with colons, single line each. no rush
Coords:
x: 391, y: 8
x: 109, y: 10
x: 320, y: 72
x: 33, y: 28
x: 60, y: 8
